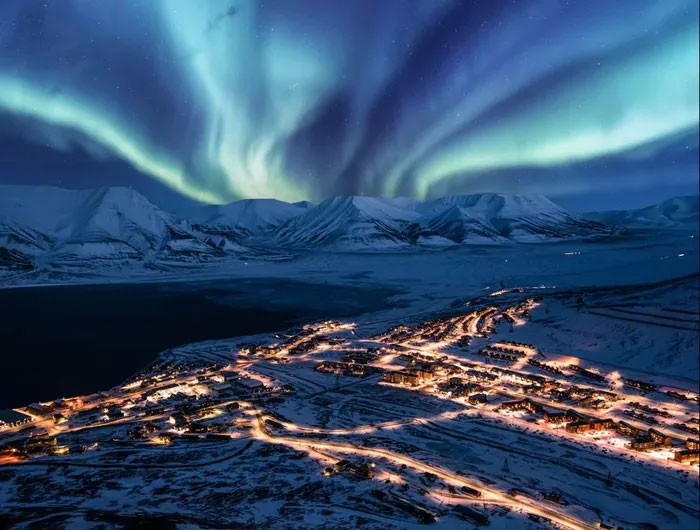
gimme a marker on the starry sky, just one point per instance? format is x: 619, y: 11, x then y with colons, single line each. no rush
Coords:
x: 591, y: 102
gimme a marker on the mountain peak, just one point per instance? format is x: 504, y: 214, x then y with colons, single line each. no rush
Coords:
x: 251, y: 215
x: 494, y: 205
x: 676, y: 212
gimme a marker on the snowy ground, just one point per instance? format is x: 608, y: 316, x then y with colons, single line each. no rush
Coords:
x: 626, y: 309
x: 423, y: 446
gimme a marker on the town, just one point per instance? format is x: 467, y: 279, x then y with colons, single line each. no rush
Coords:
x: 460, y: 364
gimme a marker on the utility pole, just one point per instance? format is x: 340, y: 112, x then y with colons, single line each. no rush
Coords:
x: 506, y: 469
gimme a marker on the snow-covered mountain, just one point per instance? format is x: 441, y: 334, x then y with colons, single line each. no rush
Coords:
x: 495, y: 218
x: 368, y: 222
x: 249, y: 216
x: 45, y: 228
x: 78, y: 228
x: 678, y: 212
x: 351, y: 223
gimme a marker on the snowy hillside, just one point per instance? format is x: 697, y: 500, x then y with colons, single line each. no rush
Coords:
x: 350, y: 223
x: 678, y: 212
x: 494, y: 218
x: 251, y: 216
x: 651, y: 329
x: 81, y: 228
x: 363, y: 222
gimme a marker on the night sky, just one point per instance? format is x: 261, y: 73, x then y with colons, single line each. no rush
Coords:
x: 591, y: 102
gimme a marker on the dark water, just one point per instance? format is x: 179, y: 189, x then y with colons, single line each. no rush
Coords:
x: 72, y: 340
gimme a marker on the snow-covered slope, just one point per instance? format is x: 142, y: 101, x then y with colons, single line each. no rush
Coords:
x: 495, y: 218
x: 351, y: 223
x: 23, y: 238
x: 367, y: 222
x: 678, y: 212
x: 251, y: 216
x: 66, y: 214
x: 52, y: 227
x: 81, y: 227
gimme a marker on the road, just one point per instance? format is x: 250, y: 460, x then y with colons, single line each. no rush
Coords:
x: 488, y: 494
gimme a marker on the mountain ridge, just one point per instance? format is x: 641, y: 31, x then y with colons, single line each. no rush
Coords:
x: 673, y: 212
x: 118, y: 227
x: 354, y: 222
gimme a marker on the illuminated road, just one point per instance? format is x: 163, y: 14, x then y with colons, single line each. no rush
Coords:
x: 488, y: 494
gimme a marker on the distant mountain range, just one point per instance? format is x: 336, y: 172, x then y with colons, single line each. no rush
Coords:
x: 376, y: 223
x: 56, y: 229
x: 672, y: 213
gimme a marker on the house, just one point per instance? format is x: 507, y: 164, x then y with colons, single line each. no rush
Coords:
x: 489, y: 352
x: 476, y: 399
x: 523, y: 404
x: 465, y: 390
x: 404, y: 377
x: 250, y: 385
x: 659, y: 437
x: 594, y: 403
x: 690, y: 443
x: 137, y: 433
x: 424, y: 372
x: 643, y: 443
x: 531, y: 389
x: 587, y: 373
x: 641, y: 385
x: 37, y: 409
x: 363, y: 471
x: 603, y: 424
x: 112, y: 412
x: 610, y: 396
x: 678, y: 395
x: 456, y: 387
x: 572, y: 415
x: 546, y: 367
x: 178, y: 420
x: 72, y: 403
x: 628, y: 430
x: 579, y: 427
x: 480, y: 376
x: 592, y: 424
x: 164, y: 438
x: 555, y: 417
x: 87, y: 413
x: 330, y: 367
x: 687, y: 455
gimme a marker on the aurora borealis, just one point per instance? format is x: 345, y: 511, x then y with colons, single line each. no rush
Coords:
x: 303, y: 99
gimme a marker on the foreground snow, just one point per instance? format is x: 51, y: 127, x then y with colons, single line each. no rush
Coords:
x: 272, y: 440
